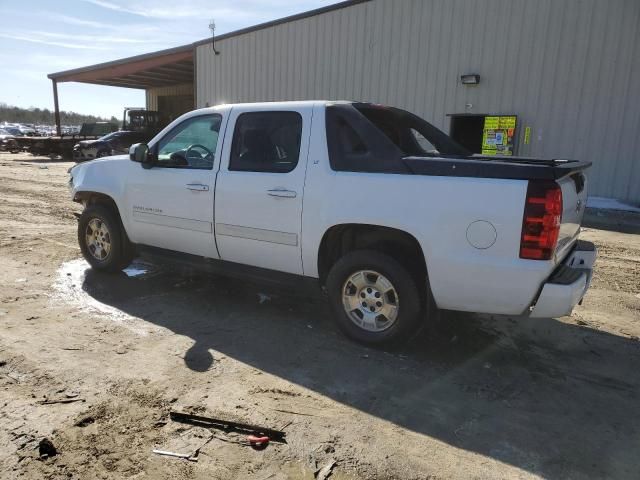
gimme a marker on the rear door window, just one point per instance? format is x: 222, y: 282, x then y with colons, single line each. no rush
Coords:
x: 425, y: 145
x: 356, y: 145
x: 266, y: 142
x: 348, y: 140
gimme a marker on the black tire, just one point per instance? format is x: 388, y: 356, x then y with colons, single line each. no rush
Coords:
x: 103, y: 153
x: 121, y: 250
x: 410, y: 302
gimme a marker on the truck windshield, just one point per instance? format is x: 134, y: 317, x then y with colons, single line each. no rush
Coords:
x: 109, y: 136
x: 414, y: 136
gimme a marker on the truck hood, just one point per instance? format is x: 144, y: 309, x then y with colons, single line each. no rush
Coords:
x: 90, y: 144
x: 115, y: 160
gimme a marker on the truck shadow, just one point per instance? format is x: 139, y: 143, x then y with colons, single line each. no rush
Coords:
x: 551, y: 398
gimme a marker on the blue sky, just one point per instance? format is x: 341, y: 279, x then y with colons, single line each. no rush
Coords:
x: 44, y: 36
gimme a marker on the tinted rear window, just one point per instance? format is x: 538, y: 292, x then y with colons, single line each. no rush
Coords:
x: 410, y: 133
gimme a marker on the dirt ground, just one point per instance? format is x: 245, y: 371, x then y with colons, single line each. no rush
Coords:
x: 485, y: 397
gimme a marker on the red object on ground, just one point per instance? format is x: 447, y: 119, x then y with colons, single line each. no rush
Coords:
x: 258, y: 442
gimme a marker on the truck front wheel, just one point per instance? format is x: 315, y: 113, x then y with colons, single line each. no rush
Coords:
x: 102, y: 240
x: 375, y: 299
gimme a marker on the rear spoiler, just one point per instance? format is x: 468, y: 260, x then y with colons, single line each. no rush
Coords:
x: 513, y: 168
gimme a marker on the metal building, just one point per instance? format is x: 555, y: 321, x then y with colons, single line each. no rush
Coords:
x: 568, y: 70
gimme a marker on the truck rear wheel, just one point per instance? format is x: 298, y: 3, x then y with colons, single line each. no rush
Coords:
x: 102, y: 239
x: 375, y: 299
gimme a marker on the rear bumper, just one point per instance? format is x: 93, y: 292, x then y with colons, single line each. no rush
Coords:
x: 568, y: 284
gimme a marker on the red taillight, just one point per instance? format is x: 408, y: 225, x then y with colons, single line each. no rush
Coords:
x: 541, y: 222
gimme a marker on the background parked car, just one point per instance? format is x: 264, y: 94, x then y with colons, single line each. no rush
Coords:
x: 14, y: 131
x: 112, y: 144
x: 28, y: 130
x: 7, y: 141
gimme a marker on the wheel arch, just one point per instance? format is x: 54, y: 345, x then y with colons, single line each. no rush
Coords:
x: 343, y: 238
x: 94, y: 198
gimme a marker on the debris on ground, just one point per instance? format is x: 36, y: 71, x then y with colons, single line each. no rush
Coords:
x: 85, y: 421
x: 138, y: 268
x: 258, y: 442
x: 186, y: 442
x: 46, y: 449
x: 186, y: 456
x: 60, y: 400
x: 230, y: 426
x: 325, y: 471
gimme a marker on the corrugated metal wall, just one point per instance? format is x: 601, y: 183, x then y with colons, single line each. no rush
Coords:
x: 154, y: 93
x: 570, y: 69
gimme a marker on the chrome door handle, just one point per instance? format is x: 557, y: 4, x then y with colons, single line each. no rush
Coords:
x: 282, y: 192
x: 198, y: 187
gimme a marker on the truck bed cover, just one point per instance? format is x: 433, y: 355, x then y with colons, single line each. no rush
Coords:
x: 513, y: 168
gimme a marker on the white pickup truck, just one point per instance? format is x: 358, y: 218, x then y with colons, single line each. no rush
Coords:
x: 387, y: 213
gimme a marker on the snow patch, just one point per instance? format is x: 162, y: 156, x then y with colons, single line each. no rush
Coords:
x: 67, y: 288
x: 610, y: 204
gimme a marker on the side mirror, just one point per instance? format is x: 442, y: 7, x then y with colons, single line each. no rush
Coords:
x: 139, y: 152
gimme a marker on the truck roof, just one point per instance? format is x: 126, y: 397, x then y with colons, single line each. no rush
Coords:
x: 291, y: 103
x: 283, y: 102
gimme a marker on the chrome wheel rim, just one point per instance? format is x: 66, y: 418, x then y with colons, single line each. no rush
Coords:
x: 98, y: 239
x: 370, y: 301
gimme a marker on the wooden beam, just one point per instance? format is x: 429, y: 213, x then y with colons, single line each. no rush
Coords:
x: 117, y: 84
x: 128, y: 80
x: 163, y: 77
x: 173, y: 69
x: 138, y: 83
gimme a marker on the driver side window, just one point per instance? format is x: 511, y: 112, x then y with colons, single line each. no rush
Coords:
x: 191, y: 144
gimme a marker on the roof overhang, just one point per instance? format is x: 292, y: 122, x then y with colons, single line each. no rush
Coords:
x: 158, y: 69
x: 173, y: 66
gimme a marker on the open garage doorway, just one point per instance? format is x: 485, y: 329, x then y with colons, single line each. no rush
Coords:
x: 467, y: 131
x: 172, y: 106
x: 485, y: 134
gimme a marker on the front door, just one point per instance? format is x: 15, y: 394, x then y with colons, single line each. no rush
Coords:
x: 260, y: 185
x: 171, y: 204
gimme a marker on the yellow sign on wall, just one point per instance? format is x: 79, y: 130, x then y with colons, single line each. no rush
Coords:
x: 498, y: 134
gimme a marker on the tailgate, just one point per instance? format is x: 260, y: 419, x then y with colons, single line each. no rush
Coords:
x: 574, y: 201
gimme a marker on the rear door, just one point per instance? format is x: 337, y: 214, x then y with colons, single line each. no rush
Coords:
x: 259, y: 188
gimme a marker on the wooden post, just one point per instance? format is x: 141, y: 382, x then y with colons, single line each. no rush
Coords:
x: 56, y: 108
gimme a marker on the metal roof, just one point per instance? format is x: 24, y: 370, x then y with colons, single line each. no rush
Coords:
x: 167, y: 67
x: 156, y: 69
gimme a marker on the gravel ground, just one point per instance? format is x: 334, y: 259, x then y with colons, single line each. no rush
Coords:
x: 483, y: 397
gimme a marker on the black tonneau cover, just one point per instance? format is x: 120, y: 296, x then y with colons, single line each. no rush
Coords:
x: 514, y: 168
